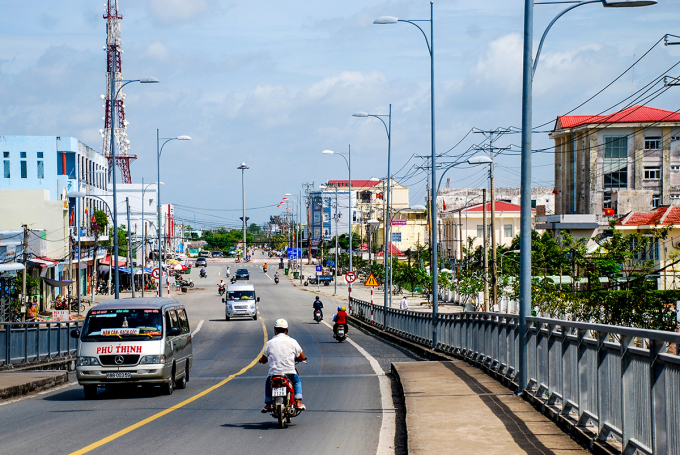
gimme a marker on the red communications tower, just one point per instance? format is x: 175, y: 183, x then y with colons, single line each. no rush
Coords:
x: 114, y: 70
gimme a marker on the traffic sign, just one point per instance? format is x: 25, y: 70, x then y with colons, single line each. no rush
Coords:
x: 319, y: 268
x: 154, y: 273
x: 350, y: 277
x: 371, y: 281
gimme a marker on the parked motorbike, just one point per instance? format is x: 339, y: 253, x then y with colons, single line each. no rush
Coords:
x: 183, y: 282
x: 221, y: 289
x: 340, y: 333
x: 318, y: 317
x: 283, y: 395
x: 102, y: 289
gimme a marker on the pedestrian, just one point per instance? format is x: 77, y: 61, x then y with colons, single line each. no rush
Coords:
x: 404, y: 303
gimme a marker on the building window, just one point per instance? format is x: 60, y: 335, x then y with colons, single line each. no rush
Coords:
x: 652, y: 173
x: 653, y: 143
x: 656, y: 200
x: 40, y: 155
x: 615, y: 162
x: 41, y: 169
x: 5, y: 154
x: 508, y: 230
x: 6, y: 169
x: 24, y: 169
x: 22, y: 154
x: 480, y: 231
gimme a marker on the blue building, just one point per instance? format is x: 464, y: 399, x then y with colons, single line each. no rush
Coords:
x: 56, y: 165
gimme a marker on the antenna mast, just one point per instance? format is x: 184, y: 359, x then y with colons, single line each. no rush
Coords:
x: 113, y: 69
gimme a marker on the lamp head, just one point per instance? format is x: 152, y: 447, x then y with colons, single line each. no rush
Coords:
x: 360, y: 114
x: 183, y: 138
x: 480, y: 160
x: 382, y: 20
x: 149, y: 80
x: 627, y: 3
x: 417, y: 207
x: 75, y: 194
x: 328, y: 152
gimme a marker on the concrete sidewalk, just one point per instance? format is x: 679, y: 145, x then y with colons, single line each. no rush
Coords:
x: 17, y: 383
x: 453, y: 407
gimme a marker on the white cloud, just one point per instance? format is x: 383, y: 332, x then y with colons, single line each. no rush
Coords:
x: 157, y: 50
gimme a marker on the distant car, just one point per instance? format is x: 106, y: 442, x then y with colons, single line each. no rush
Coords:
x: 242, y: 274
x: 217, y: 254
x: 201, y: 262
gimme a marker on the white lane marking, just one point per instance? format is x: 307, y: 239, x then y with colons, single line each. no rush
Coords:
x: 267, y: 275
x: 388, y: 426
x: 198, y: 328
x: 44, y: 392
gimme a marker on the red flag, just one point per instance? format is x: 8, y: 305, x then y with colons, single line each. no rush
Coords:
x: 444, y: 204
x: 72, y: 217
x: 93, y: 218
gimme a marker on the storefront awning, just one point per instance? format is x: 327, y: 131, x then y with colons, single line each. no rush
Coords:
x: 43, y: 262
x: 123, y: 270
x: 56, y: 283
x: 11, y: 267
x: 107, y: 261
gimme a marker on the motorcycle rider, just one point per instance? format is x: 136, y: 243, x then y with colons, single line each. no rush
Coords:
x: 228, y: 271
x: 221, y: 284
x: 264, y: 267
x: 202, y: 271
x: 317, y: 305
x: 341, y: 318
x: 282, y: 352
x: 276, y: 277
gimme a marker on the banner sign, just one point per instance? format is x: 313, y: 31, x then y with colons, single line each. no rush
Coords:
x: 398, y: 222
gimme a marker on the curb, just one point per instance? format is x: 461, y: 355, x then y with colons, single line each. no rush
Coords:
x: 397, y: 378
x: 33, y: 386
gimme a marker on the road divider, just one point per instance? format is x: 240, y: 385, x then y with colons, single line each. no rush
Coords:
x: 167, y: 411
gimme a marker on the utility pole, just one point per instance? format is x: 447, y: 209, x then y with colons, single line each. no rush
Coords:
x: 486, y: 252
x: 23, y: 285
x: 492, y: 135
x: 129, y: 255
x: 307, y: 186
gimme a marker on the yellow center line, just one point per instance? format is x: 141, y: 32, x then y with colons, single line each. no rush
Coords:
x: 141, y: 423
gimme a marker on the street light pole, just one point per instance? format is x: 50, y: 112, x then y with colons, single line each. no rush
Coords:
x: 243, y: 168
x: 159, y: 151
x: 434, y: 266
x: 528, y: 70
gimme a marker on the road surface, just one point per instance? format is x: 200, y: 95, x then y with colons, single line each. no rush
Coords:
x: 341, y: 391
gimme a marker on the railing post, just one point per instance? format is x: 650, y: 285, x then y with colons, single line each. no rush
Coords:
x: 601, y: 339
x: 657, y: 397
x: 626, y: 341
x: 25, y: 343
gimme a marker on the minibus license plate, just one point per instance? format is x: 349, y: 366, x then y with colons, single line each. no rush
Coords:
x: 279, y: 392
x: 119, y: 375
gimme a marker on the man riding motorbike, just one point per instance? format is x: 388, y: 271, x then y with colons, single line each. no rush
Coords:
x: 282, y: 352
x: 317, y: 305
x: 228, y: 271
x: 264, y: 267
x: 341, y: 318
x: 276, y: 277
x: 203, y: 273
x: 220, y: 286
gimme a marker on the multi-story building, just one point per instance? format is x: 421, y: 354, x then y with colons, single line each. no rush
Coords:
x: 37, y: 174
x: 619, y: 161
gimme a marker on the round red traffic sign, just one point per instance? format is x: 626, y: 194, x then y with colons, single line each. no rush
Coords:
x: 154, y: 273
x: 350, y: 277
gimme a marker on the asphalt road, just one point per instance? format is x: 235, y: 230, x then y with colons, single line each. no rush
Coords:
x: 341, y: 391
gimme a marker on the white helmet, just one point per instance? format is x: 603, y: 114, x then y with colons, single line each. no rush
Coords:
x: 280, y: 324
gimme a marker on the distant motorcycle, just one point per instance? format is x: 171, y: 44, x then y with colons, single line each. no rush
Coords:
x: 276, y: 280
x: 203, y: 274
x: 340, y: 333
x: 318, y: 317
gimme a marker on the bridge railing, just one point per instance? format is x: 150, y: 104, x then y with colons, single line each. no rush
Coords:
x: 619, y: 384
x: 31, y: 342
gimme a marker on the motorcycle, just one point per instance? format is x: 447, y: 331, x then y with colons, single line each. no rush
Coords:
x: 276, y: 280
x: 233, y: 280
x: 221, y: 289
x: 203, y: 274
x: 102, y: 289
x: 318, y: 317
x: 340, y: 333
x: 184, y: 283
x: 283, y: 395
x: 264, y: 268
x: 228, y: 273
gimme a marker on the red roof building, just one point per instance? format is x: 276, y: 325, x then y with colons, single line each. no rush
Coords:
x: 626, y: 161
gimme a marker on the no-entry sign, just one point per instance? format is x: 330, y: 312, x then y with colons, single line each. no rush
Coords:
x: 154, y: 273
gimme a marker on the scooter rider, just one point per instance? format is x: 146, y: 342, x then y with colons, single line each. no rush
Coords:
x: 317, y: 305
x: 202, y: 271
x: 221, y: 284
x: 341, y: 318
x: 276, y: 277
x: 282, y: 352
x: 228, y: 270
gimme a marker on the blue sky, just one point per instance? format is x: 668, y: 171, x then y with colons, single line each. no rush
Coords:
x: 275, y: 83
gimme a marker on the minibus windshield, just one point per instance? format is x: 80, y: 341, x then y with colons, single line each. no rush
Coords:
x: 124, y: 324
x: 241, y: 295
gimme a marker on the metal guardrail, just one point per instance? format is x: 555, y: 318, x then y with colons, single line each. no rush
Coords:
x: 619, y: 384
x: 30, y: 342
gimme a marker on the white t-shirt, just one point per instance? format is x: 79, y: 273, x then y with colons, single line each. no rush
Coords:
x: 404, y: 304
x: 281, y: 352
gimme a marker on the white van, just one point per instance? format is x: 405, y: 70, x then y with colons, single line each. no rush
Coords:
x: 134, y: 341
x: 241, y: 301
